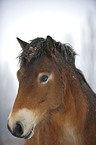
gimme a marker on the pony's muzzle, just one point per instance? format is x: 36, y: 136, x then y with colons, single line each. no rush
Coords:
x: 17, y: 130
x: 22, y: 123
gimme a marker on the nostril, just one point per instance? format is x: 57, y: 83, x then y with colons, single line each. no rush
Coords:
x: 18, y: 130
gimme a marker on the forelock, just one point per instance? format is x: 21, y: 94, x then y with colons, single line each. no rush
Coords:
x: 38, y: 47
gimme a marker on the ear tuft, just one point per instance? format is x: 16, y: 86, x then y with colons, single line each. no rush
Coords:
x: 22, y: 43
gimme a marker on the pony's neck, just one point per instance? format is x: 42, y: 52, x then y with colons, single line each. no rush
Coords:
x: 75, y: 99
x: 46, y: 134
x: 56, y: 132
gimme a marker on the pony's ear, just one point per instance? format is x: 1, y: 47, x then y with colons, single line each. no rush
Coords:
x: 50, y: 45
x: 22, y: 43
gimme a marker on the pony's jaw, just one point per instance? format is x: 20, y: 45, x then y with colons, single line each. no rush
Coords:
x: 28, y: 118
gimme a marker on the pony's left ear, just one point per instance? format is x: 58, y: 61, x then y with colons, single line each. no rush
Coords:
x: 51, y: 48
x: 22, y: 43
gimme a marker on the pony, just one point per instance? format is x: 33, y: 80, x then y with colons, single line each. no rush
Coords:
x: 54, y: 104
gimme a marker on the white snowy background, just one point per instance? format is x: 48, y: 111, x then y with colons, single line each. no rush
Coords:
x: 67, y: 21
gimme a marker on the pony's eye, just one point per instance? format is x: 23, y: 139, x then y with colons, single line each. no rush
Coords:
x: 43, y: 78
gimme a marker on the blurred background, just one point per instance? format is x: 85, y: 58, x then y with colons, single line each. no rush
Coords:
x: 68, y: 21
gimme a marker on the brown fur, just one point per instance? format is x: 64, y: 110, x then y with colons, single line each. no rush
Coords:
x: 67, y: 115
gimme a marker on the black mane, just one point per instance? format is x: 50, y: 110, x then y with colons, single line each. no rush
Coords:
x: 39, y: 48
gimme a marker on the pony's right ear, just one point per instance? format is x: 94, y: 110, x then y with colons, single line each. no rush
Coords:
x: 51, y: 48
x: 22, y: 43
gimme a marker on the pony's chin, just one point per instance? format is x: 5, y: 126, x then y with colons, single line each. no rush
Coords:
x: 29, y: 134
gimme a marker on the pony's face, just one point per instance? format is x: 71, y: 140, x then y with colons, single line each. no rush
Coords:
x: 39, y: 96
